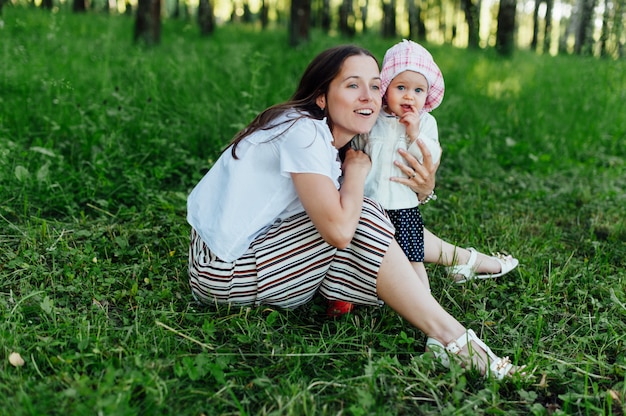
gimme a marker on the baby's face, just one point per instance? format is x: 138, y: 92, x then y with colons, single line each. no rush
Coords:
x: 407, y: 92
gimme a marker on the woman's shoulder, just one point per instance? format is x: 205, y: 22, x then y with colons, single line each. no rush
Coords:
x: 289, y: 123
x: 305, y: 120
x: 302, y: 124
x: 300, y: 119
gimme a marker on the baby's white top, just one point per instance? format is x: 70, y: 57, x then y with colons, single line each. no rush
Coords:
x: 387, y: 136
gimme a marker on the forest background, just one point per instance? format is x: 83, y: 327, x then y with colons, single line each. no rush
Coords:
x: 102, y: 138
x: 584, y: 27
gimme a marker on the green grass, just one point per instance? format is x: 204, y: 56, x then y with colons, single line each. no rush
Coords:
x: 100, y: 142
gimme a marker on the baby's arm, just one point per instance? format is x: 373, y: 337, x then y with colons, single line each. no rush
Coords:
x: 429, y: 134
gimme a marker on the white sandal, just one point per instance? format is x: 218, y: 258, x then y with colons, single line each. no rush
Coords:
x: 507, y: 263
x: 498, y: 367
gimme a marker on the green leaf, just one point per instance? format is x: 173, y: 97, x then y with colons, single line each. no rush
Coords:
x: 21, y: 173
x: 43, y: 172
x: 47, y: 305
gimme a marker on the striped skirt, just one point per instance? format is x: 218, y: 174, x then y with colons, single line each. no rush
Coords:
x: 289, y: 263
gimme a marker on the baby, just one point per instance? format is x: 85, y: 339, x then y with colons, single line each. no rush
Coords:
x: 412, y: 86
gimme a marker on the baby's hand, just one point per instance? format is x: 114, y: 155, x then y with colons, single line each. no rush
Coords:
x: 411, y: 121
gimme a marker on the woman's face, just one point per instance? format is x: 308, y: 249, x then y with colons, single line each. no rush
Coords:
x: 353, y: 99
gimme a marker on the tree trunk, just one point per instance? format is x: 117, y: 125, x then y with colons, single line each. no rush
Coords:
x: 568, y: 28
x: 472, y: 18
x: 247, y: 14
x: 325, y: 20
x: 206, y: 17
x: 417, y: 29
x: 505, y: 35
x: 389, y: 19
x: 176, y: 11
x: 148, y: 22
x: 264, y: 14
x: 584, y: 38
x: 299, y: 22
x: 618, y: 28
x: 547, y: 30
x: 604, y: 36
x: 533, y: 43
x: 346, y: 18
x: 79, y: 6
x: 421, y: 25
x: 411, y: 8
x: 364, y: 10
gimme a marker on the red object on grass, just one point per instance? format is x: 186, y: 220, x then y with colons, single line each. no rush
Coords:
x: 337, y: 308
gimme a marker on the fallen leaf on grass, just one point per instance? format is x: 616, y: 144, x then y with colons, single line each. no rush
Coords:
x: 615, y: 396
x: 16, y: 359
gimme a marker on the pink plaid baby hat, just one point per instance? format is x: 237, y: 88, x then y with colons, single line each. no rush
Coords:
x: 410, y: 56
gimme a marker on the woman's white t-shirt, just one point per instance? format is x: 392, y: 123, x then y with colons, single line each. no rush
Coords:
x: 240, y: 198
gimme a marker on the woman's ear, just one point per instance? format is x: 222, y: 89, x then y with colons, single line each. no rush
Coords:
x: 321, y: 101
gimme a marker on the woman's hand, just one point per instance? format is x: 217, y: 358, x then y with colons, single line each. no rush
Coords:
x: 420, y: 177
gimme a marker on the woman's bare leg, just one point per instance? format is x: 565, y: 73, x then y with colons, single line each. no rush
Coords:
x: 399, y: 287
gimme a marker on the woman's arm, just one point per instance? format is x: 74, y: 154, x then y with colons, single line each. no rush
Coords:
x: 335, y: 213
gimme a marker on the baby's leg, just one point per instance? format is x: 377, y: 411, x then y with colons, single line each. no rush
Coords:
x: 441, y: 252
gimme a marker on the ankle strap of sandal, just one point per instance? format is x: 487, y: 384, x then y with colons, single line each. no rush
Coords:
x: 457, y: 345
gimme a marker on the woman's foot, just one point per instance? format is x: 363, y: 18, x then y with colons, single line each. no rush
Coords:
x: 477, y: 265
x: 473, y: 353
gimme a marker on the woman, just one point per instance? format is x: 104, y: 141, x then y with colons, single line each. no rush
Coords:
x: 272, y: 225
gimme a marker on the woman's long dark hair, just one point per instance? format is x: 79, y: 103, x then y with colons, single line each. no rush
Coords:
x: 314, y: 82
